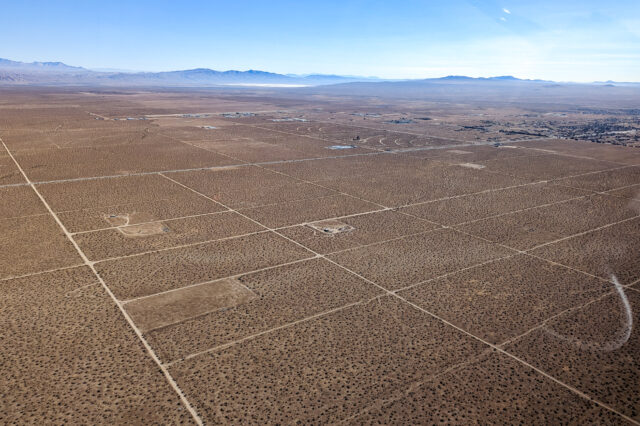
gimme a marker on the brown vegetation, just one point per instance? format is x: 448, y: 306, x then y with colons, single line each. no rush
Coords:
x: 315, y: 258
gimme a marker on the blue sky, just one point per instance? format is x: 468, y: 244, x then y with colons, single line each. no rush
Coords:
x: 560, y: 40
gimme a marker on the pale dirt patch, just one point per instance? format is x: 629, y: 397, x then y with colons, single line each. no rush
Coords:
x: 331, y: 227
x: 472, y: 165
x: 124, y: 219
x: 224, y: 168
x: 175, y: 306
x: 144, y: 230
x: 458, y: 151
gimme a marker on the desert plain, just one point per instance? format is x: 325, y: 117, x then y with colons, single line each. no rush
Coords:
x: 281, y: 256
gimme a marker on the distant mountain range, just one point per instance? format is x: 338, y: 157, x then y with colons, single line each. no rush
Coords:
x: 37, y: 66
x: 60, y: 74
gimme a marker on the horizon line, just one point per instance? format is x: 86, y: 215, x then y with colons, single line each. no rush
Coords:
x: 108, y: 70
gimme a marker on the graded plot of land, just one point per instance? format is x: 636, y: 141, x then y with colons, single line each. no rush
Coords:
x: 32, y: 244
x: 58, y: 164
x: 478, y: 206
x: 433, y: 181
x: 270, y: 299
x: 605, y: 181
x: 69, y: 357
x: 17, y: 201
x: 325, y: 369
x: 606, y: 152
x: 527, y: 229
x: 152, y: 273
x: 493, y: 390
x: 607, y: 251
x: 507, y: 297
x: 249, y: 186
x: 300, y: 211
x: 340, y: 234
x: 177, y: 306
x: 128, y: 200
x: 548, y: 166
x: 595, y: 349
x: 413, y: 259
x: 9, y: 172
x: 132, y: 239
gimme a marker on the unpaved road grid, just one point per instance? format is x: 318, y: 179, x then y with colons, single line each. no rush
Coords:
x: 217, y: 257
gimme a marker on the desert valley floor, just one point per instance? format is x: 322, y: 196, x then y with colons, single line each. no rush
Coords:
x: 232, y: 257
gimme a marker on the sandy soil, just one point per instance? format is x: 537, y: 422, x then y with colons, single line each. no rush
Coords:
x: 215, y: 260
